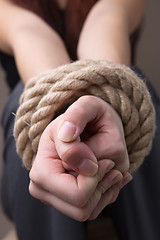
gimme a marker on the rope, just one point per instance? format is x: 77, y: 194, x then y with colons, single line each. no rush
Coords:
x: 48, y: 95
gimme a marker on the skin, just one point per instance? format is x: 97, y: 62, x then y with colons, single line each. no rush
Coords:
x: 79, y: 190
x: 108, y: 34
x: 105, y: 35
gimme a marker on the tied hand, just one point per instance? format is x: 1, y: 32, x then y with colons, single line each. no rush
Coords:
x: 82, y: 160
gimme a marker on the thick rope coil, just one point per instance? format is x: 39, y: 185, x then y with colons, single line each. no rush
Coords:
x: 48, y: 95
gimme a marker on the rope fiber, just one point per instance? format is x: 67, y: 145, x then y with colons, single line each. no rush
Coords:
x: 48, y: 95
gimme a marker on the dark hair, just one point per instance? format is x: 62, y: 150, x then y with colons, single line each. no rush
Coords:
x: 67, y: 23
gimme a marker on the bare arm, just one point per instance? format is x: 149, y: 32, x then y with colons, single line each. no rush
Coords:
x: 107, y: 30
x: 34, y: 44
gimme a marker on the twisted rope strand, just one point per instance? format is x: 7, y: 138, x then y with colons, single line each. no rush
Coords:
x: 48, y: 95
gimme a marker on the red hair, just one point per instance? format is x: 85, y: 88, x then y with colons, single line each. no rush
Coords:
x: 68, y: 23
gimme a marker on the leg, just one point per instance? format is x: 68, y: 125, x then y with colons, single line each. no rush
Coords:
x: 33, y: 219
x: 137, y: 210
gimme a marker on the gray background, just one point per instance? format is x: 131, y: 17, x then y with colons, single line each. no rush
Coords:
x: 148, y: 53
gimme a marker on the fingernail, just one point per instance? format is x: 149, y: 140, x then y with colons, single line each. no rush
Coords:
x: 110, y: 166
x: 88, y: 167
x: 116, y: 178
x: 67, y: 131
x: 126, y: 180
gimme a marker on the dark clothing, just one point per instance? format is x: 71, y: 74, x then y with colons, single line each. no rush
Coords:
x: 10, y: 69
x: 33, y: 219
x: 136, y: 212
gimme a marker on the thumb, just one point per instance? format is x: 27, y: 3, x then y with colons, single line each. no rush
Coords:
x: 85, y: 110
x: 76, y: 154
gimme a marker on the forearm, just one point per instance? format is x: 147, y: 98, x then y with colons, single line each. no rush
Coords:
x: 34, y: 44
x: 42, y: 51
x: 106, y: 32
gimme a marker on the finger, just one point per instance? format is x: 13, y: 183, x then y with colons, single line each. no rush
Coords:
x: 105, y: 201
x: 108, y: 142
x: 127, y: 177
x: 110, y: 145
x: 110, y: 195
x: 80, y: 213
x: 77, y: 213
x: 81, y: 112
x: 77, y: 155
x: 50, y: 175
x: 104, y: 193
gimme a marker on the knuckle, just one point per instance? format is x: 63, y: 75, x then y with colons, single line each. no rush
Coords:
x: 119, y: 143
x: 35, y: 175
x: 101, y: 188
x: 114, y: 196
x: 113, y: 199
x: 76, y: 108
x: 93, y: 216
x: 32, y: 190
x: 32, y: 174
x: 82, y: 215
x: 79, y: 199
